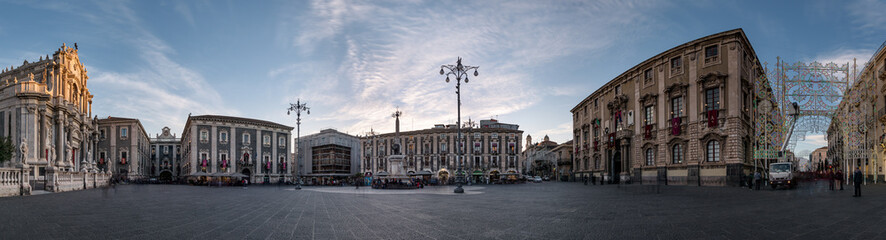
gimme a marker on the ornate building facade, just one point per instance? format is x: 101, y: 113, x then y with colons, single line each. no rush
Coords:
x: 540, y: 158
x: 857, y: 134
x: 226, y: 145
x: 684, y: 116
x: 489, y: 153
x: 166, y: 156
x: 45, y: 109
x: 123, y: 148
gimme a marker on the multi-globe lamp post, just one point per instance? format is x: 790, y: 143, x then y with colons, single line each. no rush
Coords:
x: 298, y: 107
x: 460, y: 72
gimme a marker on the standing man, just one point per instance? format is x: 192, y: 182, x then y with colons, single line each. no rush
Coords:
x: 831, y: 178
x: 840, y: 178
x: 858, y: 180
x: 757, y: 180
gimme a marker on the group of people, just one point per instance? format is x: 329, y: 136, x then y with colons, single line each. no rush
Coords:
x: 753, y: 181
x: 836, y: 178
x: 397, y: 183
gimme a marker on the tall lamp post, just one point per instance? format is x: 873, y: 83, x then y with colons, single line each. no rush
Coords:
x: 460, y: 72
x: 298, y: 107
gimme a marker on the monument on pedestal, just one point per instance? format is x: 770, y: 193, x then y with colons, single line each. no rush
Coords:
x: 397, y: 178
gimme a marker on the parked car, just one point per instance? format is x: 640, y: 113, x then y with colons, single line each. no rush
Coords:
x: 537, y: 179
x: 546, y: 178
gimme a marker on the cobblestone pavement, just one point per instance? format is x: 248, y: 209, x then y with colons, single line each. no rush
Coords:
x: 548, y: 210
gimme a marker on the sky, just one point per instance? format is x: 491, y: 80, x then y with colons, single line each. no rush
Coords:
x: 356, y: 62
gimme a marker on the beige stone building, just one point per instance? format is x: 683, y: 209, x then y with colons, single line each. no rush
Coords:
x: 818, y: 160
x: 123, y: 148
x: 490, y: 152
x: 683, y: 117
x: 565, y: 161
x: 857, y: 134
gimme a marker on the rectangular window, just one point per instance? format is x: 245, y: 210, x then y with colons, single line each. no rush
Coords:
x: 650, y: 157
x: 649, y: 117
x: 124, y: 132
x: 103, y: 133
x: 712, y: 99
x: 617, y: 90
x: 677, y: 154
x: 647, y: 76
x: 676, y: 107
x: 223, y: 136
x: 676, y: 65
x: 204, y: 135
x: 711, y: 52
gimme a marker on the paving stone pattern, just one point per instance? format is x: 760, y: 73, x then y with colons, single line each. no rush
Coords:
x: 546, y: 210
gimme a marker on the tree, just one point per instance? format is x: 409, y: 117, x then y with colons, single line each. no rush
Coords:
x: 6, y: 149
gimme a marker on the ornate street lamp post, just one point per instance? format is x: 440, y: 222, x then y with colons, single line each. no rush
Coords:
x: 298, y: 107
x: 460, y: 72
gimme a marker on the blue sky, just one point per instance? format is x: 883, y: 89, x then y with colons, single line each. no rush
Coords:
x: 354, y: 62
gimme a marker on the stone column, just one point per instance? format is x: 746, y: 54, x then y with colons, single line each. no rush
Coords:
x: 233, y: 156
x: 274, y: 158
x: 84, y: 164
x: 213, y: 148
x: 60, y: 138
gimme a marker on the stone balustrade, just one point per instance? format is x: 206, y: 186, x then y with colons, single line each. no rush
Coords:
x: 10, y: 182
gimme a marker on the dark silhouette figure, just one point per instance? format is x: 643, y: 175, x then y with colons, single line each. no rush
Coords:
x: 758, y: 178
x: 831, y: 178
x: 858, y: 180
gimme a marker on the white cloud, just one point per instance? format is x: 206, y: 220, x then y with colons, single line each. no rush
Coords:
x: 846, y: 55
x: 868, y: 15
x: 160, y: 92
x: 393, y: 53
x: 184, y: 10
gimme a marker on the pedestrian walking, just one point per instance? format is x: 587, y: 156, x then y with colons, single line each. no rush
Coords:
x: 757, y: 180
x: 858, y: 180
x: 586, y: 180
x: 831, y: 178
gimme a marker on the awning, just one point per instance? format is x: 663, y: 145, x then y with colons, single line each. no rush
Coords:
x: 240, y: 175
x: 200, y: 174
x: 424, y: 173
x: 382, y: 174
x: 509, y: 173
x: 478, y: 173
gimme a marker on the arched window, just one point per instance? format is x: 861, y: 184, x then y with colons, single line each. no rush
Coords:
x: 713, y: 151
x: 650, y: 157
x: 677, y: 154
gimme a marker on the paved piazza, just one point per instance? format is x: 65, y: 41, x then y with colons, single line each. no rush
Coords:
x: 547, y: 210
